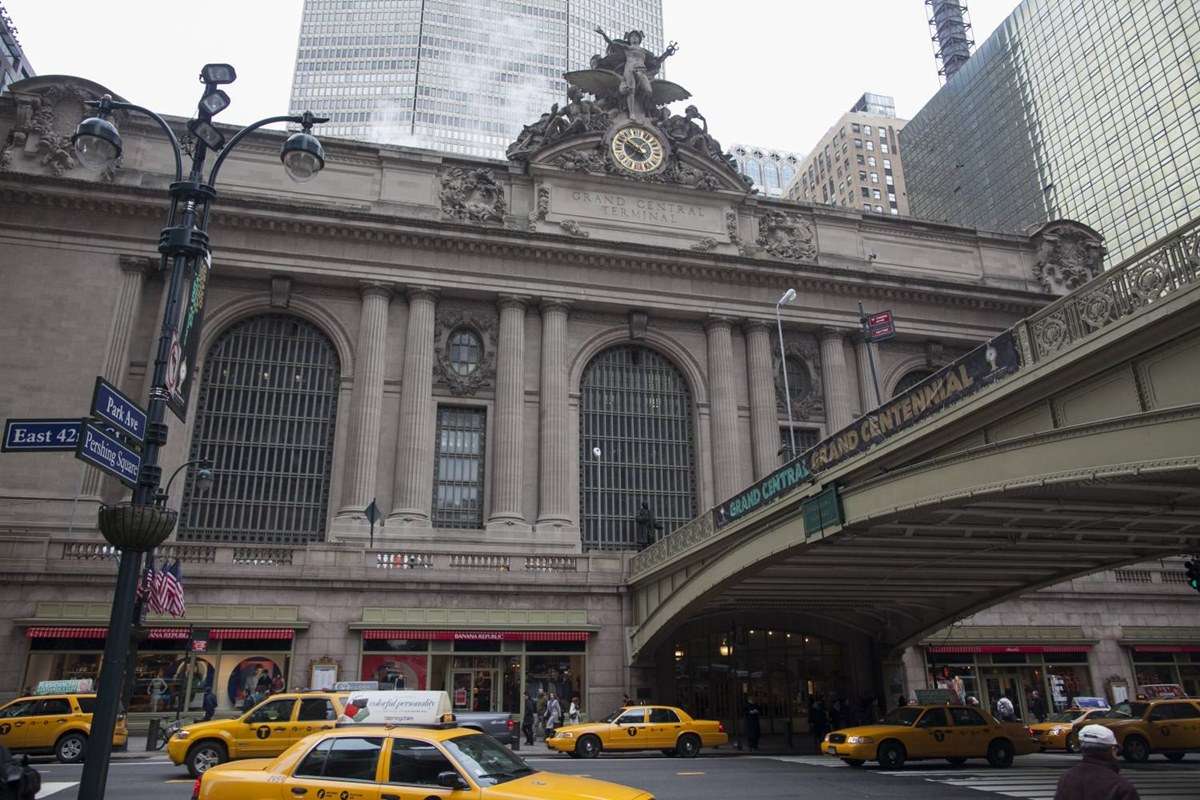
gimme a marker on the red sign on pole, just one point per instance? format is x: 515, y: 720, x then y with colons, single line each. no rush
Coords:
x: 880, y: 326
x: 200, y: 646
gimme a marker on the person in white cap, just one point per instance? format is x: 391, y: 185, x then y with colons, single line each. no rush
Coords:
x: 1098, y: 775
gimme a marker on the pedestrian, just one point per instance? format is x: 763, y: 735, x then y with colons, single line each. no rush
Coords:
x: 973, y: 701
x: 1005, y: 710
x: 210, y: 703
x: 573, y: 711
x: 1098, y: 775
x: 753, y: 725
x: 625, y: 701
x: 540, y: 719
x: 901, y: 700
x: 553, y: 715
x: 1037, y: 706
x: 818, y: 724
x: 837, y: 717
x: 527, y: 718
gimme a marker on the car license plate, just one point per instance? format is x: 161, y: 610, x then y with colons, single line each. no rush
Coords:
x: 831, y: 750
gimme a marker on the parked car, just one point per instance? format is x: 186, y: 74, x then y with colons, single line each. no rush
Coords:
x: 53, y: 723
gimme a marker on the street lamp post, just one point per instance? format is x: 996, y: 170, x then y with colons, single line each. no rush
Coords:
x: 139, y: 526
x: 787, y: 297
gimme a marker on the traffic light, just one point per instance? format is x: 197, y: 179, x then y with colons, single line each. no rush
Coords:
x: 1193, y: 573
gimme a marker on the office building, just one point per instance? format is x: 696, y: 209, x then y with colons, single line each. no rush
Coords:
x: 857, y: 162
x: 771, y: 170
x: 1084, y: 109
x: 460, y: 76
x: 13, y: 64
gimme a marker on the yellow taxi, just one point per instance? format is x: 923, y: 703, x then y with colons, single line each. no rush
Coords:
x: 53, y: 723
x: 910, y: 733
x: 1170, y: 727
x: 1061, y: 731
x: 415, y: 760
x: 266, y: 730
x: 664, y: 728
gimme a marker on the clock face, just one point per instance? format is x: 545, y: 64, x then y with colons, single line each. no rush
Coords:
x: 638, y: 150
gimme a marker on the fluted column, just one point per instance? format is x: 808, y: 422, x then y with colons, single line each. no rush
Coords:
x: 865, y: 351
x: 554, y: 438
x: 723, y: 401
x: 413, y: 494
x: 134, y: 270
x: 362, y: 456
x: 764, y: 418
x: 507, y: 470
x: 837, y: 378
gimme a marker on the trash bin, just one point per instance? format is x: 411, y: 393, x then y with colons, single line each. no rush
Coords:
x: 152, y: 734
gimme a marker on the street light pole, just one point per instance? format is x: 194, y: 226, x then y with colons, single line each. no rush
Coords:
x: 140, y: 525
x: 787, y: 297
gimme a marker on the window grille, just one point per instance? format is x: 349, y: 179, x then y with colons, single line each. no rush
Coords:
x: 805, y: 438
x: 265, y: 417
x: 458, y: 467
x: 636, y: 408
x: 910, y: 380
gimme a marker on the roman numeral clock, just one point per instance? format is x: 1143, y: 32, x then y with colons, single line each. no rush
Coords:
x: 638, y: 149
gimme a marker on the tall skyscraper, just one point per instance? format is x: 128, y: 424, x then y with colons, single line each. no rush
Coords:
x: 462, y: 76
x: 771, y: 169
x: 857, y: 162
x: 13, y: 64
x: 1086, y: 109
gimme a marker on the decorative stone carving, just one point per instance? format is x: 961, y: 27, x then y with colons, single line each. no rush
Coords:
x: 572, y: 227
x: 480, y: 321
x: 541, y: 207
x: 807, y: 402
x: 472, y: 195
x: 281, y: 291
x: 787, y: 236
x: 1069, y: 254
x: 639, y: 321
x: 731, y: 225
x: 704, y: 245
x: 582, y: 161
x: 46, y: 116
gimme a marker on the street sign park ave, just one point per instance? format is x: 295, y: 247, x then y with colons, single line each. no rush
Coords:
x: 40, y: 435
x: 107, y: 452
x: 111, y: 405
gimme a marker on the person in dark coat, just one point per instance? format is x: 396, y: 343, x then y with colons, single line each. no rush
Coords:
x: 818, y: 723
x: 1098, y: 775
x: 1037, y: 706
x: 210, y: 703
x: 753, y: 724
x: 527, y: 718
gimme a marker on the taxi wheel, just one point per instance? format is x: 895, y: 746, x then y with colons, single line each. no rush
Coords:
x: 688, y: 746
x: 1000, y: 753
x: 1136, y: 749
x: 203, y: 756
x: 892, y: 755
x: 1072, y: 742
x: 957, y: 761
x: 588, y: 747
x: 1175, y: 756
x: 70, y: 748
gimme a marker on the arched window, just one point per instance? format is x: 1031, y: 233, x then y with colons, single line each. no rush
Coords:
x: 754, y: 171
x: 799, y: 379
x: 465, y: 351
x: 772, y: 175
x: 910, y: 380
x: 636, y: 410
x: 265, y: 417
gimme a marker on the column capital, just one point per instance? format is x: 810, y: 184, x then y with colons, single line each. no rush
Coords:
x: 513, y: 301
x: 718, y: 321
x: 554, y: 304
x: 421, y: 293
x: 140, y: 264
x: 754, y: 324
x: 379, y: 288
x: 833, y: 332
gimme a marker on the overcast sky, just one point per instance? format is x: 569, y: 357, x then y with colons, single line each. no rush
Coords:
x: 776, y: 73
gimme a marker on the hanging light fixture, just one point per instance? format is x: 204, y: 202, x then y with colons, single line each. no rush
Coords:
x: 726, y: 649
x: 678, y: 652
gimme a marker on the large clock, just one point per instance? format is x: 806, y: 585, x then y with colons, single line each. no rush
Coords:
x: 638, y: 150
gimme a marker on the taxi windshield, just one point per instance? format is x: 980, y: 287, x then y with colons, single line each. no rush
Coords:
x: 615, y: 714
x: 487, y: 761
x: 1132, y: 709
x: 1063, y: 716
x: 905, y: 715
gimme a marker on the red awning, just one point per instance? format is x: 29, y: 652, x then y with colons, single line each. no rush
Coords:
x: 1166, y: 648
x: 66, y: 633
x: 479, y: 636
x: 169, y: 633
x: 251, y: 633
x: 1011, y: 648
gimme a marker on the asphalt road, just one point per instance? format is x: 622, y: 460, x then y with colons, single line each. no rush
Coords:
x: 722, y: 776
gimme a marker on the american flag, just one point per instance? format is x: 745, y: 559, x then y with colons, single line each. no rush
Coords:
x: 170, y: 596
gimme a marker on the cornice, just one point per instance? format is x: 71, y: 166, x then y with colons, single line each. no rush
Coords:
x: 357, y: 224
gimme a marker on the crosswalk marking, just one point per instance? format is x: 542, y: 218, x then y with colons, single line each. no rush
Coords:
x: 53, y: 787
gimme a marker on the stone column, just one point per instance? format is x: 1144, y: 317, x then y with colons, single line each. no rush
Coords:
x: 866, y: 382
x: 134, y: 270
x: 723, y: 401
x: 764, y: 416
x: 413, y: 495
x: 508, y: 475
x: 837, y: 378
x: 554, y: 439
x: 362, y: 456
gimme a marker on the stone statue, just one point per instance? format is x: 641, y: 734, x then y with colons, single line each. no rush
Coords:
x: 623, y: 78
x: 638, y: 66
x: 646, y: 526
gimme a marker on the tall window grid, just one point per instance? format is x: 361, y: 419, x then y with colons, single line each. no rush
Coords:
x: 636, y: 408
x: 458, y: 467
x: 265, y: 417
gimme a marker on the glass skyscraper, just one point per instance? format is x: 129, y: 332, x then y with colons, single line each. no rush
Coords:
x: 462, y: 76
x: 1087, y: 109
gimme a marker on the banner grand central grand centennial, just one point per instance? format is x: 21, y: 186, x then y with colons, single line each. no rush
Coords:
x: 962, y: 378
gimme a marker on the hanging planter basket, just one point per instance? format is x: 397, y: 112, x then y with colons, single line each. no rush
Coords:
x: 136, y: 528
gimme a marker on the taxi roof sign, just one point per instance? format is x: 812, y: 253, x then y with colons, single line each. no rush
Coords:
x: 397, y: 708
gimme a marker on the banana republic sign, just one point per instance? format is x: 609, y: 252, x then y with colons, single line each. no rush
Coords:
x: 981, y: 367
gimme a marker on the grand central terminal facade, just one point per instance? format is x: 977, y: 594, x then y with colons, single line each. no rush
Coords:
x: 511, y: 360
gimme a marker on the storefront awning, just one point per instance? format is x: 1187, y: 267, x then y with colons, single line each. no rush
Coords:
x: 1166, y: 648
x: 251, y: 633
x: 66, y: 633
x: 1010, y: 648
x: 479, y: 636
